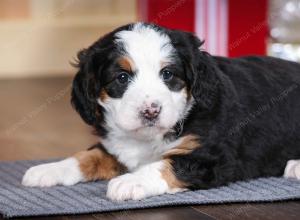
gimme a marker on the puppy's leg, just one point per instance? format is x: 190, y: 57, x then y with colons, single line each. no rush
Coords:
x: 292, y: 169
x: 88, y: 165
x: 150, y: 180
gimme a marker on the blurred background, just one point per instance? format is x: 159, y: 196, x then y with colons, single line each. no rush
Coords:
x: 39, y: 39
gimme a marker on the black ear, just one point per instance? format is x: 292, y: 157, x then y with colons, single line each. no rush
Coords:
x: 201, y: 70
x: 206, y: 83
x: 85, y: 87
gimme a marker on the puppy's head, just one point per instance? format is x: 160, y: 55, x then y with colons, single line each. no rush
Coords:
x: 142, y: 79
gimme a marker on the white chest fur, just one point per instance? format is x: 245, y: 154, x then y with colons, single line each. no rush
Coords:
x: 134, y: 153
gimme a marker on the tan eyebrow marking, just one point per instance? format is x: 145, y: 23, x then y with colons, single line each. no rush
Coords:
x: 164, y: 63
x: 127, y: 64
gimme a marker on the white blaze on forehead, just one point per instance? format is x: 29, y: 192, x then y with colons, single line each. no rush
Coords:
x: 146, y: 46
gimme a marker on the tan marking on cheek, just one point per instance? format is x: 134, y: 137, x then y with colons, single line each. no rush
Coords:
x: 96, y: 164
x: 188, y: 93
x: 168, y: 175
x: 103, y: 95
x: 127, y: 64
x: 188, y: 144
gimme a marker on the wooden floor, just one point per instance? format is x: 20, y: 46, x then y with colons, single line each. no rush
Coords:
x: 37, y: 122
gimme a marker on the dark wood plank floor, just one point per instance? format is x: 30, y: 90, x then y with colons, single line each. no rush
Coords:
x: 37, y: 122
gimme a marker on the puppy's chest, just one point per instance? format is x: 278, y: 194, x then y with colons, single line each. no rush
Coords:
x: 133, y: 153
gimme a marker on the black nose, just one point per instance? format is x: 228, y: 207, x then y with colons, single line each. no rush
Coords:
x: 151, y: 112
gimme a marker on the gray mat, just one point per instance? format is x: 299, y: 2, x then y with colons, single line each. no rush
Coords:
x: 16, y: 200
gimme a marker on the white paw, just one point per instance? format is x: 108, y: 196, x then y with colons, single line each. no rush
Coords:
x: 66, y: 172
x: 144, y: 182
x: 126, y: 187
x: 292, y: 169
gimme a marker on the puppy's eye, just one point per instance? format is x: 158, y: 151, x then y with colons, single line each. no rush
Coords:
x: 167, y: 75
x: 123, y: 78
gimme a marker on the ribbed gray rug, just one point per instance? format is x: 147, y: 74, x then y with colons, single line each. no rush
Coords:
x: 17, y: 201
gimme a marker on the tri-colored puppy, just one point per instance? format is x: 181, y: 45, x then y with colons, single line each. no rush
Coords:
x: 171, y: 117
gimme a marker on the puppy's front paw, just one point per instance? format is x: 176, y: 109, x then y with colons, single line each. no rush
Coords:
x: 135, y: 186
x: 125, y: 187
x: 64, y: 172
x: 292, y: 169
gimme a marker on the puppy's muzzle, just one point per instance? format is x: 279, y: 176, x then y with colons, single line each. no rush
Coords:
x: 151, y: 112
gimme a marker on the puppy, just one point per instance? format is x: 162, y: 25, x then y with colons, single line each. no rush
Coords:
x: 170, y: 117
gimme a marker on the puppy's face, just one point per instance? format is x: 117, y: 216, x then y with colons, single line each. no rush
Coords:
x: 137, y: 79
x: 143, y: 86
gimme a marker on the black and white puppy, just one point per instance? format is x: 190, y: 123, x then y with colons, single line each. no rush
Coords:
x: 171, y: 117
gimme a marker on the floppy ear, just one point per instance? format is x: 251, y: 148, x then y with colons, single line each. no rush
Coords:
x: 205, y: 86
x: 201, y: 70
x: 84, y: 89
